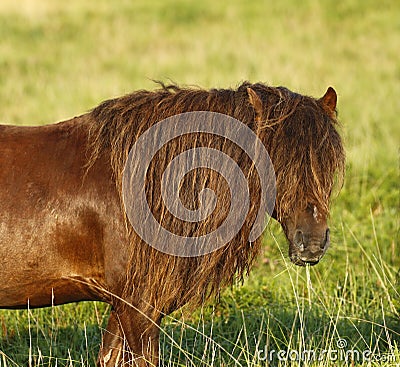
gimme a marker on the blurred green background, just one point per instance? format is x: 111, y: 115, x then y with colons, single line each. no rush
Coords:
x: 62, y: 58
x: 59, y: 59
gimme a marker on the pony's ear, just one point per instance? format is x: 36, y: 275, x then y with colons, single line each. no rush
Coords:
x: 329, y: 101
x: 256, y: 102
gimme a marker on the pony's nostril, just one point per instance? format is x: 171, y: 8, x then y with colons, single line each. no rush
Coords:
x: 327, y: 239
x: 299, y: 239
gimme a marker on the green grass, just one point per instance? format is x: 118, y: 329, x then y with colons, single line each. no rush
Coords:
x: 59, y: 59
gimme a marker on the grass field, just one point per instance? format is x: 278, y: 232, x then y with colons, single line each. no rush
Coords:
x: 60, y: 58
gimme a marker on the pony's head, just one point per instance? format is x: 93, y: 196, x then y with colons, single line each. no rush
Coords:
x: 307, y: 154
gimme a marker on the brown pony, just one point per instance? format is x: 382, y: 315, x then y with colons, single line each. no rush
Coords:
x: 64, y: 235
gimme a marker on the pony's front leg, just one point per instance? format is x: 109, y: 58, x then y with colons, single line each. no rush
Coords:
x: 131, y: 339
x: 111, y: 352
x: 142, y: 333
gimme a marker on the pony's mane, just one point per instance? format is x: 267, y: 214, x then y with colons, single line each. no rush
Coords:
x: 301, y: 139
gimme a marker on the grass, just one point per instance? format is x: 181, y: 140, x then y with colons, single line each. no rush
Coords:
x: 59, y: 59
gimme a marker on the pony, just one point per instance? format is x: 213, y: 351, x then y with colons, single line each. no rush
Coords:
x: 64, y: 232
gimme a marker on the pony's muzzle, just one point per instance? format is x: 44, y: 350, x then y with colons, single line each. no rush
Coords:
x: 311, y: 248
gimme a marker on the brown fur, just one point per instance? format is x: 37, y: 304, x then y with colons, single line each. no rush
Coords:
x: 64, y: 235
x: 304, y: 147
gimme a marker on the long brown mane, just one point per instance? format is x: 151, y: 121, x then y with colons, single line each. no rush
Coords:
x: 303, y: 144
